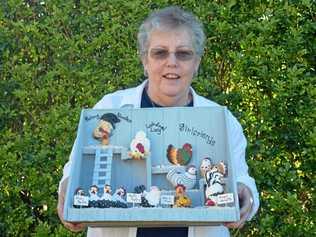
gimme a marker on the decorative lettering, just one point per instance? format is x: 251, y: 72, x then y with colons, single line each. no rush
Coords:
x: 126, y: 118
x: 87, y: 118
x: 156, y: 127
x: 195, y: 132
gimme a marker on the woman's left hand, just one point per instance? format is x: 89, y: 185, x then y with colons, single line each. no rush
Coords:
x: 245, y: 203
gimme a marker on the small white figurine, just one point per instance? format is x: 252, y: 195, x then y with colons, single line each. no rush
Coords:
x: 179, y: 175
x: 214, y: 183
x: 153, y: 196
x: 107, y: 194
x: 139, y: 146
x: 205, y: 166
x: 93, y: 192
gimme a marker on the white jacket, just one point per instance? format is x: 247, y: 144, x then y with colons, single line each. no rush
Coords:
x: 132, y: 98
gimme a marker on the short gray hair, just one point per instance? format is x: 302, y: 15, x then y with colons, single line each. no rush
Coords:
x: 171, y: 18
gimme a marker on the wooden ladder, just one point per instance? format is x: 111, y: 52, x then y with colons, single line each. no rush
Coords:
x: 102, y: 167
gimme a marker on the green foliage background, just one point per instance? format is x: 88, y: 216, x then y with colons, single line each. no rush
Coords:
x: 57, y: 57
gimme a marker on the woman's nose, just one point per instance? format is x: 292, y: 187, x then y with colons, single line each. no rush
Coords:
x: 172, y: 60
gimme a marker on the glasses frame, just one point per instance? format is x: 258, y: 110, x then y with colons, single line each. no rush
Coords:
x: 182, y: 55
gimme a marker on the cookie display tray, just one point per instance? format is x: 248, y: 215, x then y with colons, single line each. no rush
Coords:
x: 205, y: 128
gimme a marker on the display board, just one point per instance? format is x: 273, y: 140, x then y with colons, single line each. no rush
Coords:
x: 152, y: 167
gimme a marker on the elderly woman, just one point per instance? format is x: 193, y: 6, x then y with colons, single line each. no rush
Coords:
x: 171, y: 43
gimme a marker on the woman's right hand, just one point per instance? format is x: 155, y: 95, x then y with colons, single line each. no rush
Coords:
x: 75, y: 227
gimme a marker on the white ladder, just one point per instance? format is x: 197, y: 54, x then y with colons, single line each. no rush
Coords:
x: 102, y: 167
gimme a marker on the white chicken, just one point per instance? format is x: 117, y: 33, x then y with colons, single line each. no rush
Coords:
x: 140, y: 146
x: 153, y: 196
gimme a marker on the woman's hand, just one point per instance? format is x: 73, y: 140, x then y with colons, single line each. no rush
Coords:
x: 75, y: 227
x: 245, y: 203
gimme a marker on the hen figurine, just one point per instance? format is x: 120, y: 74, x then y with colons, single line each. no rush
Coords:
x: 153, y: 196
x: 186, y: 177
x: 181, y: 199
x: 180, y: 156
x: 139, y: 146
x: 214, y: 183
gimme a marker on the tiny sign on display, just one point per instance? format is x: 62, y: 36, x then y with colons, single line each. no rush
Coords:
x: 167, y: 199
x: 225, y: 198
x: 134, y: 198
x: 81, y: 200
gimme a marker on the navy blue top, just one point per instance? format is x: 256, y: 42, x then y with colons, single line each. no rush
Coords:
x: 160, y: 231
x: 148, y: 103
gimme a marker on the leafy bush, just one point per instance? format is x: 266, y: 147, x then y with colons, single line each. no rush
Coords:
x: 57, y: 57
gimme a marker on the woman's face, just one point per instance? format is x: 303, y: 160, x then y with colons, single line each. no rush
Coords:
x: 170, y: 63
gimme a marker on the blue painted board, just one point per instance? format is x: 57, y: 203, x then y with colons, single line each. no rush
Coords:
x: 205, y: 128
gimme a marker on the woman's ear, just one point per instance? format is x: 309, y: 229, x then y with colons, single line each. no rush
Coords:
x: 144, y: 62
x: 197, y: 65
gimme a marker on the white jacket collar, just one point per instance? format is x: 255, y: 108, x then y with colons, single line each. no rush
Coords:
x: 135, y: 96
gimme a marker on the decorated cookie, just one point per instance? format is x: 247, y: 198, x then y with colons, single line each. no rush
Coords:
x: 185, y: 176
x: 181, y: 199
x: 153, y: 196
x: 104, y: 129
x: 214, y: 183
x: 205, y: 166
x: 140, y: 146
x: 179, y: 156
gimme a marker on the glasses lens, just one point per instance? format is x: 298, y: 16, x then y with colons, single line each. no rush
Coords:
x: 182, y: 55
x: 159, y: 53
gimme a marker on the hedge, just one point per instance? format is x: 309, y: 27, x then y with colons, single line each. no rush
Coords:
x: 57, y: 57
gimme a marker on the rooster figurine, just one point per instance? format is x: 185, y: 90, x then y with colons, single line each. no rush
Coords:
x: 139, y: 146
x: 186, y: 177
x: 180, y: 156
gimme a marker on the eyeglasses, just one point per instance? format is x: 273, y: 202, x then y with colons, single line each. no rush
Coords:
x: 181, y: 55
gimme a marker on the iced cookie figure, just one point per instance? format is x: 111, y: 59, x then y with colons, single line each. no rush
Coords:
x: 179, y: 156
x: 107, y: 192
x: 205, y: 166
x: 139, y: 146
x: 140, y: 189
x: 181, y: 199
x: 93, y: 192
x: 93, y: 196
x: 80, y: 192
x: 80, y: 198
x: 153, y: 196
x: 119, y: 195
x: 104, y: 129
x: 186, y: 177
x: 214, y: 183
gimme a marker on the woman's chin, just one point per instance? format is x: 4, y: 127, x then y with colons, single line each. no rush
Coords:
x: 170, y: 91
